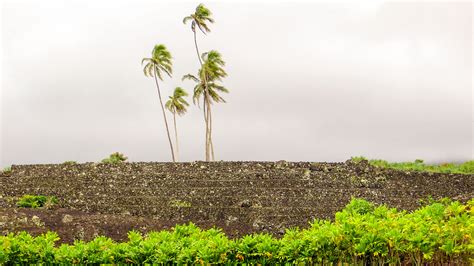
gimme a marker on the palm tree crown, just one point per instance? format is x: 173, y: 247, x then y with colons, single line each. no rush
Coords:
x: 176, y: 103
x: 159, y: 62
x: 199, y: 18
x: 211, y: 71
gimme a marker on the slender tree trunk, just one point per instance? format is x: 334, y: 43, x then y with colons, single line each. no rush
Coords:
x: 209, y: 146
x: 176, y: 136
x: 205, y: 122
x: 209, y: 120
x: 164, y: 116
x: 209, y: 126
x: 197, y: 49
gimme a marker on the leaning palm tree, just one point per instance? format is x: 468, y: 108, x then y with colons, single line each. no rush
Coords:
x: 207, y: 86
x: 156, y: 66
x: 177, y: 106
x: 199, y: 19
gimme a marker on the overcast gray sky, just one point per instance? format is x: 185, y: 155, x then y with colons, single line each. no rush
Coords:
x: 308, y: 81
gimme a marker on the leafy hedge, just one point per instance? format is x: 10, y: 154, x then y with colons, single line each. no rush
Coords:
x: 361, y: 234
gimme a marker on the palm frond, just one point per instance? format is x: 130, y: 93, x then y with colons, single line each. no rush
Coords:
x: 190, y: 77
x: 216, y: 97
x: 185, y: 20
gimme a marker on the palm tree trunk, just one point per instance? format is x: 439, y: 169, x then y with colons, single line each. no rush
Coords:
x: 164, y: 116
x: 176, y: 136
x: 206, y: 120
x: 209, y: 120
x: 197, y: 49
x: 208, y: 126
x: 209, y: 145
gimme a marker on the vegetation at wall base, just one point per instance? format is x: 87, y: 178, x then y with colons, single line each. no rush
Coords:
x: 6, y: 171
x: 419, y: 165
x: 70, y: 162
x: 36, y: 201
x: 361, y: 234
x: 114, y: 158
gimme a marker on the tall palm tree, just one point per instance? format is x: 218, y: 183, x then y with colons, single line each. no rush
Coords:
x: 177, y: 105
x: 156, y: 66
x: 199, y: 19
x: 207, y: 86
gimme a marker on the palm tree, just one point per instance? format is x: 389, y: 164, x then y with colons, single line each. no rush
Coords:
x: 156, y: 66
x: 199, y: 19
x: 177, y: 105
x: 207, y: 85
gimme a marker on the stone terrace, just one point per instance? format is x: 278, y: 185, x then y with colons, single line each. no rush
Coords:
x: 250, y: 196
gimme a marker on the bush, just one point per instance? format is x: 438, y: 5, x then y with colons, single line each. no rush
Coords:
x: 418, y: 165
x: 362, y: 234
x: 6, y: 171
x: 31, y: 201
x: 358, y: 159
x: 114, y: 158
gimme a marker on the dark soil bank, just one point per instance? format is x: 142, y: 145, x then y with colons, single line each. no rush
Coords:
x: 240, y: 197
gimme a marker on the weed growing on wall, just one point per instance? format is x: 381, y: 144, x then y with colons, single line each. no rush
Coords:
x: 6, y: 171
x: 114, y: 158
x: 36, y: 201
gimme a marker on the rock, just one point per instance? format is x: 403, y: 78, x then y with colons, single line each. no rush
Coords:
x: 245, y: 204
x: 231, y: 219
x: 37, y: 221
x: 67, y: 219
x: 257, y: 224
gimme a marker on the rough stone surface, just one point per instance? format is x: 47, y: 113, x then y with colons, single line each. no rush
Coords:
x: 67, y: 219
x: 240, y: 197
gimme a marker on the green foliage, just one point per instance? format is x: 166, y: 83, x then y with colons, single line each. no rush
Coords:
x: 418, y: 165
x: 158, y: 63
x: 114, y: 158
x: 358, y: 159
x: 361, y: 234
x: 199, y: 19
x: 176, y: 103
x: 7, y: 170
x: 180, y: 204
x: 36, y: 201
x: 209, y: 75
x: 70, y: 163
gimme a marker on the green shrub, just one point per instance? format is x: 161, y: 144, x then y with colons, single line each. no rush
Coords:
x: 114, y: 158
x: 361, y: 234
x: 36, y: 201
x: 358, y: 159
x: 70, y: 163
x: 419, y: 165
x: 7, y: 170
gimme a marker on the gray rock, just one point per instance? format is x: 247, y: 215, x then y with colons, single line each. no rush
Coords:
x: 67, y: 219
